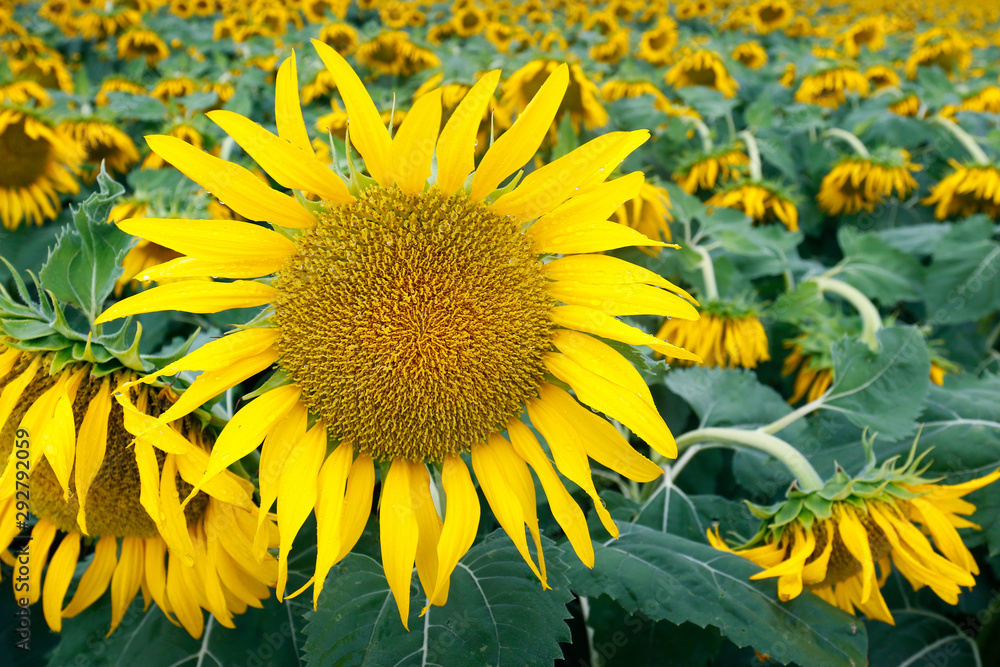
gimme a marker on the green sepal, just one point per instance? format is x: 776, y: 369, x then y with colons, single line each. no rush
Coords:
x: 358, y: 182
x: 789, y: 512
x: 278, y: 379
x: 821, y: 507
x: 500, y: 192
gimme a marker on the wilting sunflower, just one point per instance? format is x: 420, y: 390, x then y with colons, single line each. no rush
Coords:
x: 102, y: 142
x: 142, y: 43
x: 656, y: 45
x: 23, y: 92
x: 814, y: 365
x: 394, y: 54
x: 968, y: 190
x: 649, y: 214
x: 788, y: 77
x: 862, y: 183
x: 829, y: 88
x: 881, y: 76
x: 117, y: 85
x: 322, y: 86
x: 47, y: 70
x: 37, y: 163
x: 751, y: 54
x: 99, y: 481
x: 341, y: 37
x: 829, y: 540
x: 771, y: 15
x: 986, y: 100
x: 615, y: 90
x: 868, y: 32
x: 943, y: 47
x: 702, y: 68
x: 728, y: 335
x: 908, y: 106
x: 580, y: 102
x: 444, y: 350
x: 613, y: 49
x: 762, y: 201
x: 168, y: 89
x: 705, y: 170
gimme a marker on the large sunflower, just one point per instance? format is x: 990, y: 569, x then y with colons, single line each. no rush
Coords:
x: 36, y: 166
x: 90, y: 477
x: 414, y: 320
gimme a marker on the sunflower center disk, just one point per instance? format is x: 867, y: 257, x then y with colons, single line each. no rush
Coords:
x: 23, y: 159
x: 414, y: 324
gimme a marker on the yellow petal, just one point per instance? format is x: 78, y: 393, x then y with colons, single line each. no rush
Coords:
x: 585, y: 236
x: 428, y: 527
x: 518, y: 144
x: 601, y: 359
x: 126, y: 579
x: 594, y: 206
x: 58, y: 441
x: 12, y: 394
x: 231, y: 184
x: 292, y: 167
x: 367, y: 132
x: 287, y: 108
x: 546, y: 188
x: 221, y: 352
x: 247, y: 429
x: 612, y: 400
x: 413, y: 145
x: 227, y: 487
x: 357, y: 503
x: 57, y: 580
x: 278, y: 444
x: 607, y: 270
x: 95, y: 580
x: 456, y: 147
x: 155, y: 573
x: 91, y: 445
x: 624, y: 299
x: 601, y: 324
x: 461, y: 521
x: 192, y: 296
x: 42, y: 536
x: 182, y: 600
x: 172, y: 522
x: 398, y: 532
x: 189, y: 267
x: 330, y: 512
x: 855, y: 538
x: 565, y: 510
x: 297, y: 493
x: 214, y: 240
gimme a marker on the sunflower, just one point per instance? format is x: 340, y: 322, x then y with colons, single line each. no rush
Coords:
x: 761, y: 201
x: 728, y: 335
x: 341, y: 37
x: 908, y: 106
x: 968, y: 190
x: 986, y: 100
x: 142, y: 42
x: 702, y: 68
x: 503, y: 36
x: 831, y: 539
x: 814, y: 366
x: 395, y: 14
x: 656, y: 45
x: 862, y: 183
x: 868, y: 32
x: 469, y: 21
x: 943, y: 47
x: 117, y: 85
x: 771, y: 15
x: 22, y: 92
x: 616, y: 90
x: 751, y: 54
x: 553, y: 41
x: 649, y: 214
x: 168, y: 89
x: 788, y: 77
x: 880, y: 76
x: 439, y: 355
x: 829, y: 88
x: 91, y: 481
x: 322, y: 86
x: 692, y: 9
x: 394, y: 54
x: 440, y: 33
x: 101, y: 142
x: 703, y: 171
x: 48, y: 71
x: 612, y: 50
x: 580, y: 102
x: 37, y: 163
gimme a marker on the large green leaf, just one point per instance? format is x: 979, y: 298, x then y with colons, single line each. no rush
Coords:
x: 882, y: 390
x: 497, y: 614
x: 667, y: 577
x: 876, y: 268
x: 963, y: 280
x: 921, y: 639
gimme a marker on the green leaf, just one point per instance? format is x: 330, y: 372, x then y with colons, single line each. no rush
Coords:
x: 920, y: 638
x: 667, y: 577
x: 963, y: 281
x: 803, y: 303
x: 877, y: 269
x: 86, y: 261
x: 497, y: 614
x: 919, y: 239
x: 136, y: 107
x: 881, y: 390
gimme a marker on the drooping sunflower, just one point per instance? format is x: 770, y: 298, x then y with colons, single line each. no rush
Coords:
x: 656, y: 45
x: 37, y: 165
x: 394, y: 54
x: 23, y: 92
x: 968, y: 190
x: 142, y: 43
x: 868, y: 32
x: 788, y: 76
x: 580, y: 102
x: 762, y: 201
x: 614, y: 89
x: 703, y: 171
x: 751, y: 54
x: 99, y: 25
x: 177, y: 86
x: 103, y: 480
x: 117, y: 85
x: 946, y: 48
x: 102, y: 142
x: 811, y: 359
x: 437, y: 351
x: 342, y: 37
x: 692, y: 9
x: 908, y: 106
x: 728, y: 335
x: 881, y: 76
x: 861, y: 183
x: 702, y: 68
x: 831, y: 539
x: 829, y: 87
x: 771, y: 15
x: 47, y: 70
x: 649, y: 214
x: 986, y: 100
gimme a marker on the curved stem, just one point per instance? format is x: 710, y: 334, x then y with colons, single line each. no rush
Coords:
x: 871, y: 321
x: 850, y: 138
x: 797, y: 464
x: 707, y: 274
x: 963, y: 137
x: 756, y: 172
x: 793, y: 416
x: 703, y: 132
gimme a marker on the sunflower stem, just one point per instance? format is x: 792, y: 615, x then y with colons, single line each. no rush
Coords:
x: 703, y: 132
x: 753, y: 152
x: 793, y: 416
x: 871, y: 321
x: 850, y: 138
x: 797, y: 464
x: 964, y: 138
x: 708, y: 274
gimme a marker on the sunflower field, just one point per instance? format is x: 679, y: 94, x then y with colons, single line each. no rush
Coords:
x: 500, y: 332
